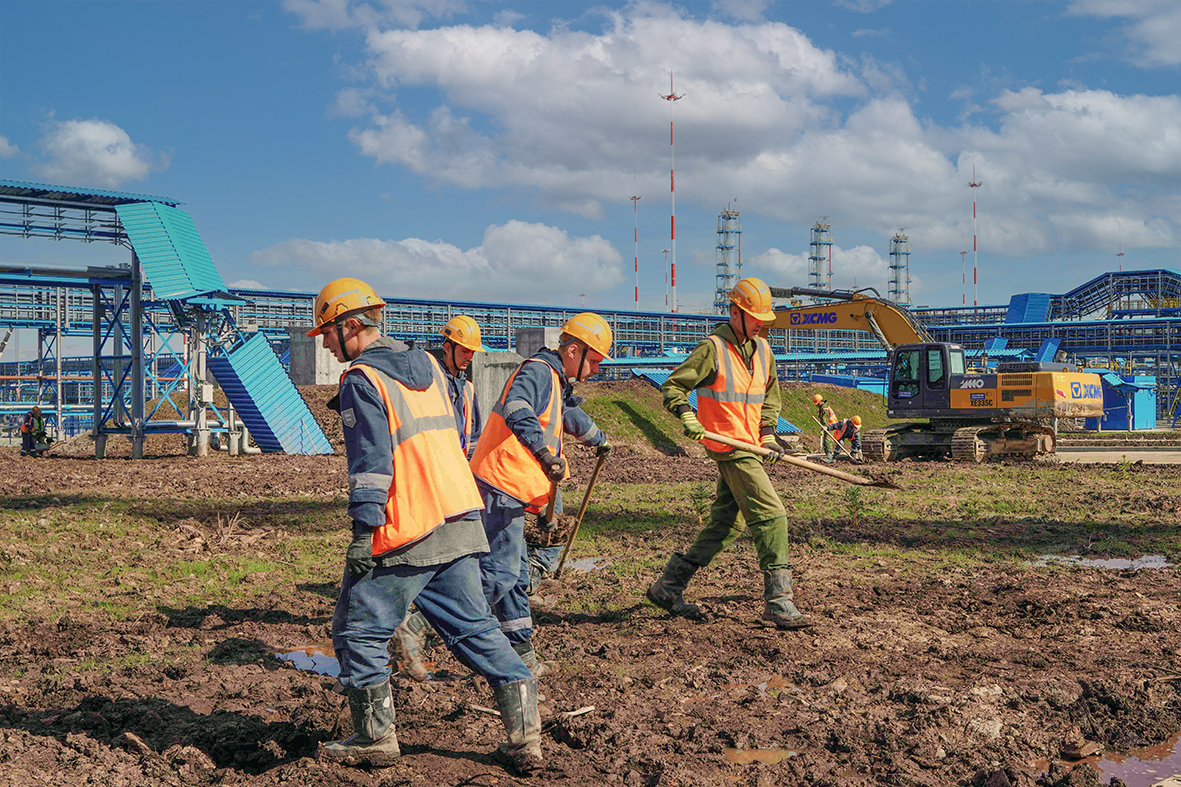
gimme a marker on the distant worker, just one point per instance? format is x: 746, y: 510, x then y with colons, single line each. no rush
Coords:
x: 461, y: 341
x: 520, y: 457
x: 32, y: 431
x: 733, y: 372
x: 416, y: 536
x: 825, y: 415
x: 847, y: 429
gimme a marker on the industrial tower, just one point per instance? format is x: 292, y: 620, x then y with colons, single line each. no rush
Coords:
x: 898, y: 290
x: 820, y: 256
x: 729, y: 268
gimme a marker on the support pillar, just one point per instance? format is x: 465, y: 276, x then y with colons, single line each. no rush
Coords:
x: 137, y: 360
x: 96, y: 370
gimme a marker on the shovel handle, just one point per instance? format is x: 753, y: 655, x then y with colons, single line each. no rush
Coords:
x: 791, y: 460
x: 581, y: 510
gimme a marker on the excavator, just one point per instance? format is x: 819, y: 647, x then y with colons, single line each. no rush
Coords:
x: 968, y: 417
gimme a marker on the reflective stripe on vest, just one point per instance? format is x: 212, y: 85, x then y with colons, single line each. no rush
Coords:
x: 469, y: 395
x: 432, y: 483
x: 732, y: 406
x: 503, y: 462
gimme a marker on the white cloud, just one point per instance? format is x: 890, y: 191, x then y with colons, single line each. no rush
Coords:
x: 343, y: 14
x: 95, y: 153
x: 860, y: 265
x: 7, y: 149
x: 247, y: 284
x: 1153, y: 28
x: 516, y: 262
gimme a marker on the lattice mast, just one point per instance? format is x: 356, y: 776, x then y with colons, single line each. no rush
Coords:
x: 636, y: 240
x: 820, y: 256
x: 672, y: 98
x: 898, y: 289
x: 729, y: 258
x: 975, y: 184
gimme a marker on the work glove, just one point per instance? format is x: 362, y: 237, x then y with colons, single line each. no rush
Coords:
x: 603, y: 450
x: 693, y: 428
x: 554, y: 466
x: 359, y: 557
x: 770, y: 443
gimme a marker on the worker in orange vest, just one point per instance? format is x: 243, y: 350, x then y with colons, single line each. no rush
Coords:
x: 32, y: 431
x: 415, y: 514
x: 825, y: 415
x: 733, y: 372
x: 846, y: 429
x: 520, y: 458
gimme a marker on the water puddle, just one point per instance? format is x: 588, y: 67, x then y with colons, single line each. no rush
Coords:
x: 747, y: 756
x: 589, y: 564
x: 1116, y: 563
x: 1154, y: 766
x: 320, y: 659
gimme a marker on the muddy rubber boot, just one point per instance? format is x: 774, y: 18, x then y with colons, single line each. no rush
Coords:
x: 528, y: 655
x: 374, y: 741
x: 667, y: 591
x: 517, y: 702
x: 410, y: 642
x: 829, y: 459
x: 781, y: 609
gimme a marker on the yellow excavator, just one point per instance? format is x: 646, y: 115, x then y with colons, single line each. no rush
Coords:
x: 969, y: 417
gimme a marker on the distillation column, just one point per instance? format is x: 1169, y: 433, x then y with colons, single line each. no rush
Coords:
x: 729, y: 259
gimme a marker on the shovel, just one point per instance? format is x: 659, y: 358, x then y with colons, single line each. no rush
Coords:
x: 791, y: 460
x: 581, y: 510
x: 834, y: 439
x: 547, y: 522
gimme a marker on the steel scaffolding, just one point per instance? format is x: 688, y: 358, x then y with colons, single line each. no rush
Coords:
x: 729, y: 259
x: 820, y: 256
x: 898, y: 288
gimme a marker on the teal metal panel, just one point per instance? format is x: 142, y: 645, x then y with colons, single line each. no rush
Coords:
x: 268, y: 403
x: 170, y: 249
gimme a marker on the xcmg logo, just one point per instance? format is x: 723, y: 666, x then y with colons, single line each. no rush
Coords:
x: 1086, y: 391
x: 814, y: 319
x: 973, y: 382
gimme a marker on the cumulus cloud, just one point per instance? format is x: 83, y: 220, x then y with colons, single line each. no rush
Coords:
x: 859, y: 266
x: 95, y: 152
x: 343, y: 14
x: 7, y: 149
x: 1153, y: 28
x: 516, y: 262
x: 247, y: 284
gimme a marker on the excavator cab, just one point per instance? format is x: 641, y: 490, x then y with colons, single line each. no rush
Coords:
x: 921, y: 378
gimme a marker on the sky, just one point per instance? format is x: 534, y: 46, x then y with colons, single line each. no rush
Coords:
x: 489, y: 150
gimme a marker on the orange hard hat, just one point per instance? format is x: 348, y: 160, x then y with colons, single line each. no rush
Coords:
x: 857, y: 421
x: 592, y: 330
x: 817, y: 399
x: 753, y: 296
x: 465, y: 332
x: 340, y: 299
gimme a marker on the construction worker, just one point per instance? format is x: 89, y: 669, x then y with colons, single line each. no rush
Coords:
x: 461, y: 341
x: 416, y: 533
x: 520, y: 458
x: 733, y: 372
x: 825, y: 415
x: 846, y: 429
x: 32, y: 431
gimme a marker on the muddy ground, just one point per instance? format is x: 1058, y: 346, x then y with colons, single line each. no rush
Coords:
x: 927, y: 666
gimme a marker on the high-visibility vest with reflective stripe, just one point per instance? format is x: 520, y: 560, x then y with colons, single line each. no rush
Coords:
x: 844, y: 429
x: 503, y: 462
x: 469, y: 396
x: 432, y: 483
x: 733, y: 405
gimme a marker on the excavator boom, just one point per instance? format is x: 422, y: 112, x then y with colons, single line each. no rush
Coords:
x: 850, y: 311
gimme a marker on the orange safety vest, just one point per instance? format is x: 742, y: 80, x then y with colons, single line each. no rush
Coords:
x: 469, y: 395
x: 503, y: 462
x: 733, y: 405
x: 432, y: 483
x: 845, y: 430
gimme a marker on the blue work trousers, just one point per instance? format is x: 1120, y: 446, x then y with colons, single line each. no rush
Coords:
x: 505, y: 569
x: 449, y: 595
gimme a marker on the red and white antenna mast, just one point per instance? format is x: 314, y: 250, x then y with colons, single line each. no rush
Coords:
x: 1120, y: 253
x: 636, y: 229
x: 666, y: 279
x: 975, y: 184
x: 963, y: 273
x: 671, y: 98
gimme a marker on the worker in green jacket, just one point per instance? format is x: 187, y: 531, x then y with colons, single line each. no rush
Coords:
x: 738, y: 396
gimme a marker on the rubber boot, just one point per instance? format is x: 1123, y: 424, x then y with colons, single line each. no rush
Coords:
x: 410, y: 642
x: 667, y: 591
x: 829, y: 458
x: 517, y: 702
x: 528, y: 655
x: 374, y: 741
x: 781, y: 609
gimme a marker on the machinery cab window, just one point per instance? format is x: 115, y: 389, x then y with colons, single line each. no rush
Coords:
x: 907, y: 368
x: 936, y: 374
x: 955, y: 361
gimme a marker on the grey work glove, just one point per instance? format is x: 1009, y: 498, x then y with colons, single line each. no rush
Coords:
x: 771, y: 444
x: 359, y: 557
x: 603, y: 450
x: 693, y: 428
x: 554, y: 466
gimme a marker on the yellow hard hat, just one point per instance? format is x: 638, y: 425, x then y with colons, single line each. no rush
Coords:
x: 753, y: 296
x: 857, y: 421
x: 817, y: 399
x: 342, y: 298
x: 465, y: 332
x: 591, y: 329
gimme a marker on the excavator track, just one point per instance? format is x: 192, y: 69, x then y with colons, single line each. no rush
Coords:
x: 1018, y: 440
x: 875, y: 445
x: 968, y: 445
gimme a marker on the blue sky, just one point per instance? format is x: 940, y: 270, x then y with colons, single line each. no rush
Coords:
x: 488, y: 149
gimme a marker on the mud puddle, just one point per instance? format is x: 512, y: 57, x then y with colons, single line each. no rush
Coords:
x: 589, y: 564
x: 1115, y: 563
x: 1145, y: 767
x: 317, y: 659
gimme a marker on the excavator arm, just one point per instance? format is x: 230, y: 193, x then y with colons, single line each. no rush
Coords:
x: 850, y: 311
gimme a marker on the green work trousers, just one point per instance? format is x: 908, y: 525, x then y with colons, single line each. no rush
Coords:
x: 745, y: 500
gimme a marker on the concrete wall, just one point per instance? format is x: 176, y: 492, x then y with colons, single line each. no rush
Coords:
x: 530, y: 340
x: 488, y: 373
x: 311, y: 364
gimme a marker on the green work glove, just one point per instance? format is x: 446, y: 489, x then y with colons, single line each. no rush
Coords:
x: 603, y: 450
x: 554, y: 466
x: 359, y: 557
x: 770, y: 443
x: 693, y: 428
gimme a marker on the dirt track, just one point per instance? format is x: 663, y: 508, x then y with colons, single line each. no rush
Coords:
x: 925, y: 668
